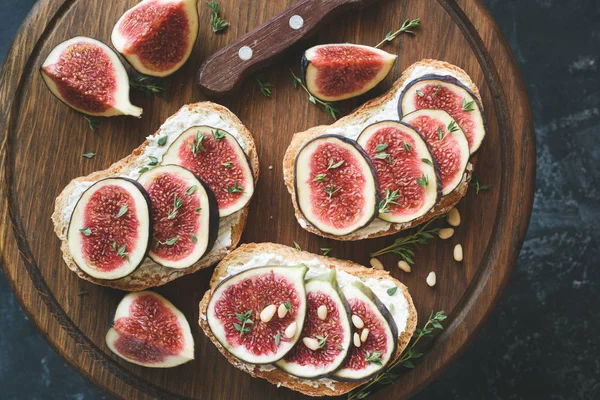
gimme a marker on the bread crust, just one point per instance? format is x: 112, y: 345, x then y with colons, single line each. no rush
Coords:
x: 242, y: 255
x: 360, y: 114
x: 150, y: 274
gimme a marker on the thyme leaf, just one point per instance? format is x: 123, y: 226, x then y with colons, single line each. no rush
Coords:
x: 236, y: 188
x: 477, y: 185
x: 468, y: 105
x: 264, y: 87
x: 93, y: 122
x: 88, y: 155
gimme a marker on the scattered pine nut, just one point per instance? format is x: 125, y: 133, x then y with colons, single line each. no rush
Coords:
x: 431, y: 279
x: 267, y: 313
x: 270, y: 167
x: 322, y: 312
x: 375, y: 263
x: 356, y: 339
x: 403, y: 265
x: 453, y: 217
x: 311, y: 343
x: 364, y: 335
x: 282, y: 311
x: 446, y: 233
x: 458, y: 253
x: 290, y: 331
x: 357, y: 321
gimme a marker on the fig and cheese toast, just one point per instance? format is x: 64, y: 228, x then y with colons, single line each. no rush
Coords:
x: 150, y: 274
x: 270, y: 254
x: 383, y: 108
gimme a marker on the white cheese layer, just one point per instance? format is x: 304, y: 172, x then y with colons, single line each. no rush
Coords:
x: 172, y: 128
x: 386, y: 112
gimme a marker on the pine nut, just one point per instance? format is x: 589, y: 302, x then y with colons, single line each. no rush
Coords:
x: 357, y: 321
x: 453, y: 217
x: 403, y: 265
x: 375, y: 263
x: 364, y: 335
x: 357, y: 341
x: 267, y: 313
x: 311, y: 343
x: 290, y: 331
x: 282, y: 311
x: 458, y: 253
x: 322, y: 312
x: 431, y: 279
x: 446, y: 233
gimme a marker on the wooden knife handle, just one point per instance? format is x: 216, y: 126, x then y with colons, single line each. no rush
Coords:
x: 228, y: 67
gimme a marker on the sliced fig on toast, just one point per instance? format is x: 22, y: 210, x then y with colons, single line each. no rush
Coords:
x: 375, y: 333
x: 109, y: 231
x: 157, y: 36
x: 449, y: 94
x: 406, y: 170
x: 216, y: 157
x: 185, y: 216
x: 327, y: 333
x: 88, y: 76
x: 340, y: 71
x: 243, y: 312
x: 336, y: 186
x: 150, y: 331
x: 447, y: 142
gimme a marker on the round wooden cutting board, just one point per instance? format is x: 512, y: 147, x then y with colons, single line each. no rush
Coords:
x: 42, y: 143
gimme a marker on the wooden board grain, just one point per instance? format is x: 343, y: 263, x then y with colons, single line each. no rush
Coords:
x: 42, y: 143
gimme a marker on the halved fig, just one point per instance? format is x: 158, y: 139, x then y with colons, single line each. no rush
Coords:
x: 88, y: 76
x: 109, y: 231
x: 150, y: 331
x: 242, y: 312
x: 157, y: 36
x: 381, y: 340
x: 327, y: 325
x: 185, y: 216
x: 216, y: 157
x: 336, y: 186
x: 406, y: 170
x: 447, y: 142
x: 340, y: 71
x: 449, y: 94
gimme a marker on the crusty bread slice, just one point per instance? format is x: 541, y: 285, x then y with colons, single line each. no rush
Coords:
x: 245, y: 253
x: 150, y: 274
x: 359, y: 117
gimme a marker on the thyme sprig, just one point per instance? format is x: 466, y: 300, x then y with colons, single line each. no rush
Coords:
x: 404, y: 246
x: 236, y: 188
x: 392, y: 373
x: 477, y: 185
x: 406, y: 28
x: 390, y: 198
x: 217, y: 24
x: 150, y: 86
x: 331, y: 190
x: 264, y: 87
x: 245, y: 320
x: 329, y: 107
x: 197, y: 144
x: 177, y: 203
x: 93, y: 122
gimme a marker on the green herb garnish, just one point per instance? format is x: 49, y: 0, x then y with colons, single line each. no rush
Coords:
x: 264, y: 87
x: 468, y: 105
x: 391, y: 291
x: 226, y: 164
x: 478, y: 186
x: 325, y: 250
x: 406, y: 27
x: 374, y: 357
x: 427, y: 161
x: 322, y: 341
x: 217, y: 134
x: 333, y: 165
x: 440, y: 133
x: 277, y: 339
x: 191, y: 190
x: 149, y: 85
x: 177, y: 203
x: 452, y: 127
x: 423, y: 181
x: 162, y: 140
x: 407, y: 147
x: 122, y: 211
x: 297, y: 246
x: 244, y: 319
x: 194, y: 238
x: 153, y: 161
x: 197, y: 144
x: 329, y: 107
x: 331, y: 190
x: 380, y: 147
x: 86, y: 231
x: 390, y: 198
x: 217, y: 24
x: 88, y: 155
x: 235, y: 188
x: 320, y: 178
x: 421, y: 94
x: 93, y: 123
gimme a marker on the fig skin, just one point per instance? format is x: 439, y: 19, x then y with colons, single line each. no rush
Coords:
x: 150, y: 225
x: 121, y: 106
x: 453, y: 81
x: 372, y: 170
x: 122, y: 42
x: 310, y: 72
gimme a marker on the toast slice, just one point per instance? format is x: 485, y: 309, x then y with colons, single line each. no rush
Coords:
x: 364, y: 116
x: 277, y: 254
x: 150, y: 274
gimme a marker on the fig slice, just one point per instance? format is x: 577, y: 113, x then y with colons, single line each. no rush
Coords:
x: 406, y: 170
x: 216, y: 157
x: 449, y: 94
x: 185, y: 216
x: 235, y: 308
x: 150, y: 331
x: 88, y: 76
x: 109, y: 231
x: 336, y: 186
x: 157, y: 36
x: 447, y: 142
x: 340, y: 71
x: 331, y: 329
x: 381, y: 341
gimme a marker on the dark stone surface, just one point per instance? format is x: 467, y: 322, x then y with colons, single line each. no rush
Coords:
x: 541, y: 342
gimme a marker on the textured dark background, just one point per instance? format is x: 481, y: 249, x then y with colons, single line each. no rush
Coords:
x: 542, y: 340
